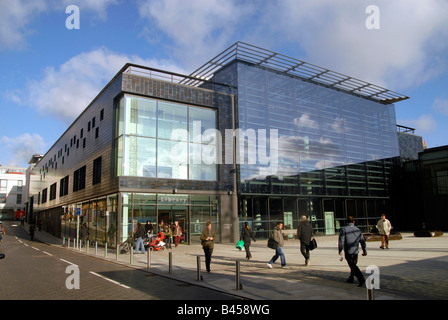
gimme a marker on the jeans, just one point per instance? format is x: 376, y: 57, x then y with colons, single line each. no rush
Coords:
x: 139, y: 244
x: 279, y: 253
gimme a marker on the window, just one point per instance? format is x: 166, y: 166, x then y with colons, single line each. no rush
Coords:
x: 2, y: 198
x: 166, y: 140
x: 3, y: 185
x: 44, y: 195
x: 101, y: 114
x: 19, y: 185
x: 53, y: 191
x: 63, y: 187
x: 79, y: 179
x: 97, y: 170
x: 97, y: 132
x: 442, y: 181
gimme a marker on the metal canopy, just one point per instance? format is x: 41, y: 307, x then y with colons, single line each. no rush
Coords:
x: 262, y: 57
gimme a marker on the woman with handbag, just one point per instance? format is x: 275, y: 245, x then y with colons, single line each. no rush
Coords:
x: 304, y: 233
x: 177, y: 233
x: 246, y: 235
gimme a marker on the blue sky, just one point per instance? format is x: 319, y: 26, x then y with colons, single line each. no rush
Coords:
x: 49, y: 73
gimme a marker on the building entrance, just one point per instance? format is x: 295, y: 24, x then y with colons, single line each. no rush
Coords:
x: 170, y: 214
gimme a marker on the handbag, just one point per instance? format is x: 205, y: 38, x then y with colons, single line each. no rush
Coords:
x: 313, y: 244
x: 272, y: 243
x: 240, y: 244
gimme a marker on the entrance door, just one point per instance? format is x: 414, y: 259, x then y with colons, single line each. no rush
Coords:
x: 170, y: 214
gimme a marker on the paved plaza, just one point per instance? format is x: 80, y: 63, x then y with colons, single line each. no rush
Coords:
x: 412, y: 269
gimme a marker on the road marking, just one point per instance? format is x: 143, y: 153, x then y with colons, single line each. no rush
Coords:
x: 26, y: 244
x: 68, y: 262
x: 113, y: 281
x: 35, y: 248
x: 47, y: 253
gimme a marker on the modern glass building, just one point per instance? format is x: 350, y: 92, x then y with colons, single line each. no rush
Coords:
x: 252, y: 135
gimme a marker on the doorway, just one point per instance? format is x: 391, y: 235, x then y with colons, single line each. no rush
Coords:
x: 170, y: 214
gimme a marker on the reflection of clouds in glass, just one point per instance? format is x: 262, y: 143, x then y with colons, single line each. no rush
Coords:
x: 305, y: 121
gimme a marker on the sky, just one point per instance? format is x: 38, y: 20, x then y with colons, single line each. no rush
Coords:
x: 52, y: 66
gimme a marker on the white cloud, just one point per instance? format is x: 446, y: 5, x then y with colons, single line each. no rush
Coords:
x: 406, y: 51
x: 14, y: 17
x: 426, y: 123
x: 409, y: 48
x: 198, y: 28
x: 17, y: 15
x: 65, y: 91
x: 22, y: 147
x: 441, y: 106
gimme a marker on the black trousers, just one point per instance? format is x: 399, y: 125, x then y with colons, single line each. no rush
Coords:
x: 246, y: 247
x: 305, y: 250
x: 352, y: 260
x: 208, y: 257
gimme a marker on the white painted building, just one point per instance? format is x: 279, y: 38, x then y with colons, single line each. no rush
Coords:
x: 12, y: 191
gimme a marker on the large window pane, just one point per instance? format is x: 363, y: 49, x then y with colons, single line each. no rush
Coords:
x: 171, y: 117
x: 141, y: 116
x: 140, y: 157
x: 172, y: 160
x: 203, y: 119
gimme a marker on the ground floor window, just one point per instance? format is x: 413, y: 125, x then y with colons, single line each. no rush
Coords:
x: 113, y: 218
x: 327, y: 215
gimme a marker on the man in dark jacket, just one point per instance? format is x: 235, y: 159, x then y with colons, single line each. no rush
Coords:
x: 304, y: 233
x: 208, y: 237
x: 349, y: 239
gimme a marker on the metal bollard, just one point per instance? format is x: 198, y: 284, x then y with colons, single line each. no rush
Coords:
x: 148, y: 262
x: 170, y: 262
x: 87, y: 246
x: 131, y: 256
x: 370, y: 294
x: 118, y: 252
x: 105, y: 250
x: 237, y: 277
x: 68, y: 243
x: 199, y: 268
x: 96, y: 247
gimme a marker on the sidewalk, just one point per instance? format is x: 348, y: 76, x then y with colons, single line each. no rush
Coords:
x: 413, y: 268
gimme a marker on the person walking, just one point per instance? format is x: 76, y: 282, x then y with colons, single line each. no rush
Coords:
x: 278, y: 237
x: 139, y: 234
x: 384, y: 227
x: 84, y: 234
x: 168, y: 236
x: 177, y: 233
x: 32, y: 229
x: 246, y: 235
x: 350, y: 237
x: 304, y: 233
x: 208, y: 236
x: 2, y: 231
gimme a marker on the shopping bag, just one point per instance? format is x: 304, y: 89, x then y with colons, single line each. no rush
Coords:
x: 313, y: 244
x: 240, y: 245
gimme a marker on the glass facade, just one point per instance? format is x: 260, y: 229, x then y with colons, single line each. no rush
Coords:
x: 159, y: 139
x: 335, y: 151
